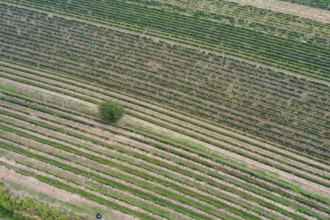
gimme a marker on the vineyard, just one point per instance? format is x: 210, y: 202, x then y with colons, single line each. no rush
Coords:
x: 226, y: 108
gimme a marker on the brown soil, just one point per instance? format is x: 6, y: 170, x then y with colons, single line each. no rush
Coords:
x: 289, y: 8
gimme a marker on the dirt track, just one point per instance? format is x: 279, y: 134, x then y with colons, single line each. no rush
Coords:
x: 97, y: 130
x: 289, y: 8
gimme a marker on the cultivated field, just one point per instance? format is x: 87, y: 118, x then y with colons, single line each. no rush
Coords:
x: 226, y: 109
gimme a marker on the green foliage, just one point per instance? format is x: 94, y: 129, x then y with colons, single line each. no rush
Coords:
x: 13, y: 207
x: 110, y: 111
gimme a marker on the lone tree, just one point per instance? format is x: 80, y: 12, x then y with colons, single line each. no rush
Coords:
x: 110, y: 111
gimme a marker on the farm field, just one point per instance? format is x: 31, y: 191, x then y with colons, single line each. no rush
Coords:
x: 226, y: 109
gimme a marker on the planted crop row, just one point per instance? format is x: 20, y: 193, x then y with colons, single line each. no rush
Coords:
x: 60, y: 185
x: 273, y: 51
x: 261, y: 203
x: 246, y: 12
x: 137, y: 104
x: 270, y: 130
x: 240, y: 152
x: 135, y: 181
x: 88, y: 94
x: 247, y: 17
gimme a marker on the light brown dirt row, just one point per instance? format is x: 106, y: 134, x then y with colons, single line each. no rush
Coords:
x: 175, y: 173
x: 288, y: 8
x: 23, y: 167
x: 43, y: 188
x: 288, y: 177
x: 227, y: 184
x: 73, y: 164
x: 82, y: 179
x: 246, y: 152
x: 149, y: 112
x: 273, y: 5
x: 217, y: 138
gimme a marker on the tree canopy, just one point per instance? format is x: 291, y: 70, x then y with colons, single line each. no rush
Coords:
x: 110, y: 111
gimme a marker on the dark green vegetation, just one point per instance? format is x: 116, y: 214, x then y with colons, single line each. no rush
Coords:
x: 15, y: 208
x: 324, y: 4
x: 110, y: 111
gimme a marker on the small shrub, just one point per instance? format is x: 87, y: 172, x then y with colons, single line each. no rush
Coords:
x: 110, y: 111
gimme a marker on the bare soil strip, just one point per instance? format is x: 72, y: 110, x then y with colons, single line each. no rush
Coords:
x: 246, y: 152
x: 289, y: 8
x: 73, y: 164
x: 23, y: 167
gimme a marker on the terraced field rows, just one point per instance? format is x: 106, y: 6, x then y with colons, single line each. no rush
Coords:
x: 139, y: 154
